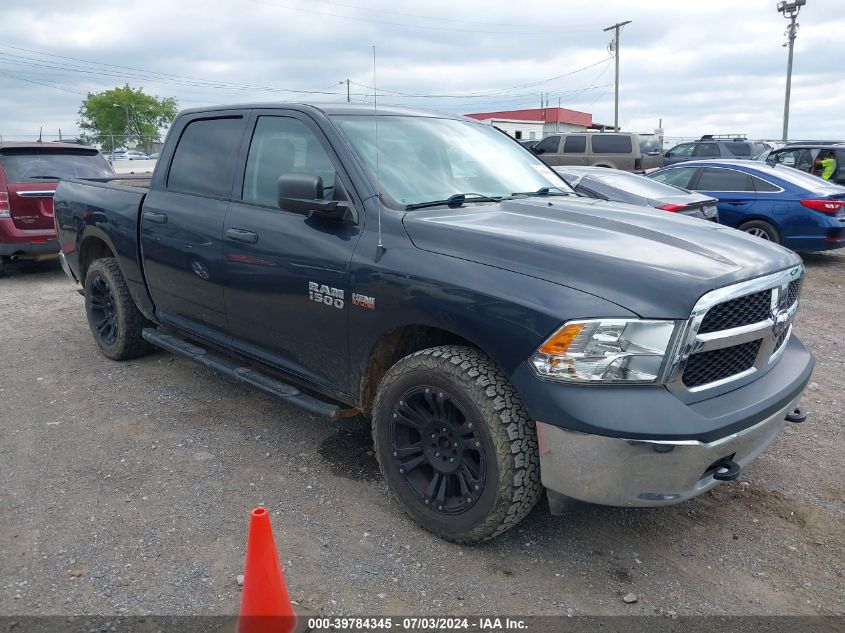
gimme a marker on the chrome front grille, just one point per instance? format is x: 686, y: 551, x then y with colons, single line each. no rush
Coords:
x: 734, y: 333
x: 737, y: 312
x: 718, y: 364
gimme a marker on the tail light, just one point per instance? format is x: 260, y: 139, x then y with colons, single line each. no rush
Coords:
x: 831, y: 207
x: 671, y: 207
x: 638, y: 163
x: 5, y: 209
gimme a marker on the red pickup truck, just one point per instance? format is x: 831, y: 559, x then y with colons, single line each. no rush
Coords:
x: 29, y: 175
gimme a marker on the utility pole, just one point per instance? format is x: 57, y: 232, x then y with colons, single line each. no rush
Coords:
x: 790, y: 11
x: 615, y: 28
x: 348, y: 95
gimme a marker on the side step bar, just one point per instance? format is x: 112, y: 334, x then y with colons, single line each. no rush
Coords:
x: 285, y: 392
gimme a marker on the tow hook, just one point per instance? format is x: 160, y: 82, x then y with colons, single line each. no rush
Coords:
x: 727, y: 470
x: 797, y: 415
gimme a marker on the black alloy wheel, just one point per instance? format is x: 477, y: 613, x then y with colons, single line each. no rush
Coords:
x: 103, y: 312
x: 437, y: 450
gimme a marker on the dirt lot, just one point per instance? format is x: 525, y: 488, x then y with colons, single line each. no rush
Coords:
x: 125, y: 489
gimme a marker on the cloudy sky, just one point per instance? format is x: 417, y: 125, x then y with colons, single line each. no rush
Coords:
x: 703, y: 67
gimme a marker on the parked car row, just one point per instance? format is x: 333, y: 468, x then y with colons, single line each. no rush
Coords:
x: 770, y: 201
x: 29, y: 174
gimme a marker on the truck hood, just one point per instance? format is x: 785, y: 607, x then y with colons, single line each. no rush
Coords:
x: 651, y: 262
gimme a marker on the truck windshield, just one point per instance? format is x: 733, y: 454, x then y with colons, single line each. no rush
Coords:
x: 423, y: 159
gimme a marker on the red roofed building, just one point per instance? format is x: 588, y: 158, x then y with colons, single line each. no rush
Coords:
x: 536, y: 123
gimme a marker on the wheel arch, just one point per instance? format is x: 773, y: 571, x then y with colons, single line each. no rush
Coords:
x: 397, y: 343
x: 92, y: 248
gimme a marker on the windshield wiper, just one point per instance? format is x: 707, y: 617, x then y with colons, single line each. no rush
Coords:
x: 545, y: 191
x: 454, y: 201
x: 45, y: 177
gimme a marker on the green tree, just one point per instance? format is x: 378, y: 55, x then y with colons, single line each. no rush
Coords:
x: 125, y: 116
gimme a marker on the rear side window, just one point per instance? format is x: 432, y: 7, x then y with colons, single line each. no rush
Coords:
x: 575, y: 144
x: 611, y: 144
x: 679, y: 177
x: 32, y: 164
x: 716, y: 179
x: 739, y: 149
x: 706, y: 150
x: 204, y: 161
x: 763, y: 185
x: 548, y: 145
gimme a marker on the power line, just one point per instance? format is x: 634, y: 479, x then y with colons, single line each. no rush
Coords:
x: 493, y: 93
x: 511, y: 32
x: 440, y: 19
x: 135, y: 73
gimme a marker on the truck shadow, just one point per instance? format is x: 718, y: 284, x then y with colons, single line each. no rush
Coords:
x: 349, y: 451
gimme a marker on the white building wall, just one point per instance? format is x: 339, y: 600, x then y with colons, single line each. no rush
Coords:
x: 529, y: 129
x: 557, y: 128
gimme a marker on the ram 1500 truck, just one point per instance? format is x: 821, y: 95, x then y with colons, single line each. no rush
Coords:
x: 504, y: 334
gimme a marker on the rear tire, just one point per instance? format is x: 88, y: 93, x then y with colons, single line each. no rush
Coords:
x: 114, y: 319
x: 455, y: 444
x: 761, y: 229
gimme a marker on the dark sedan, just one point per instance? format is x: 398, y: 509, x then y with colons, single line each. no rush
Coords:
x: 622, y: 186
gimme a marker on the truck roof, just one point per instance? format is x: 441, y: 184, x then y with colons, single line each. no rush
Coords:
x: 364, y: 109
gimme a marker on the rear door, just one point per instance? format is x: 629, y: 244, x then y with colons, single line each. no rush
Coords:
x: 182, y: 222
x: 32, y: 174
x: 613, y: 150
x: 733, y: 189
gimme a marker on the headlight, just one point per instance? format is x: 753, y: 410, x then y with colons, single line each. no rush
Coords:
x: 605, y: 350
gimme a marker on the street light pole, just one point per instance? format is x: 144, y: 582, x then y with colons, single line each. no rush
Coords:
x: 615, y: 28
x: 792, y: 9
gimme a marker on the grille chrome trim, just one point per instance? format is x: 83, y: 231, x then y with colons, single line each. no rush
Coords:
x: 768, y: 331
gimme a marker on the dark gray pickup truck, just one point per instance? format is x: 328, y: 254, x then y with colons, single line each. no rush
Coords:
x: 504, y: 334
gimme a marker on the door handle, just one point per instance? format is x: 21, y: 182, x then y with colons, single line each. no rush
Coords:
x: 155, y: 216
x: 239, y: 235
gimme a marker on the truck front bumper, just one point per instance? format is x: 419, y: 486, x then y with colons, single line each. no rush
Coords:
x: 636, y: 473
x: 643, y: 446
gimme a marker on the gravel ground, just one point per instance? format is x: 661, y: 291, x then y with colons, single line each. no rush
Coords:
x: 125, y: 488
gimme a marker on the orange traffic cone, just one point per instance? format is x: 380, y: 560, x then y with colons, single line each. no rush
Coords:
x: 265, y: 606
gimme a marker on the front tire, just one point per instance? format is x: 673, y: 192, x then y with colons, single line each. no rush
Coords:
x: 455, y: 444
x: 114, y: 319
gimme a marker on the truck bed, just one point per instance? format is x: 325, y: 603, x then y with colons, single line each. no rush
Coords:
x: 89, y: 213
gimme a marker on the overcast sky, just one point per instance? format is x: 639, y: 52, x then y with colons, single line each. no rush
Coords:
x: 703, y: 67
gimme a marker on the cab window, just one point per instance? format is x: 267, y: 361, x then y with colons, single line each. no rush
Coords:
x: 280, y: 146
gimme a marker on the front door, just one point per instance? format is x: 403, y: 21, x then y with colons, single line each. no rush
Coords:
x: 182, y: 225
x: 287, y: 275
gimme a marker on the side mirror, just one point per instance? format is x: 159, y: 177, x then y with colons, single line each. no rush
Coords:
x: 537, y: 150
x: 303, y: 193
x: 669, y: 155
